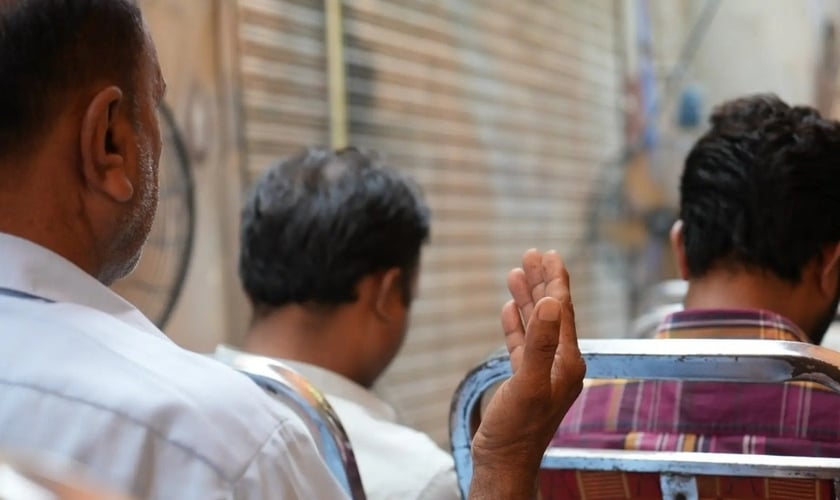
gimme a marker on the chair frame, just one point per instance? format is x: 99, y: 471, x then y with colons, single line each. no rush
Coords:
x: 290, y: 388
x: 747, y: 361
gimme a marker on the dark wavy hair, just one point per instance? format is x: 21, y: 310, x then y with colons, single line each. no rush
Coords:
x: 761, y: 189
x: 318, y: 222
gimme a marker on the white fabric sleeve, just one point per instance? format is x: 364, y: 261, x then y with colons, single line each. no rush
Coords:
x: 288, y: 466
x: 442, y: 486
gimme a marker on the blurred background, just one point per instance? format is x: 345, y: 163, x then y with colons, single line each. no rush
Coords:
x: 531, y: 123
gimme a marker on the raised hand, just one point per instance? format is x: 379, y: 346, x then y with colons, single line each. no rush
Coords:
x: 548, y: 371
x: 541, y: 275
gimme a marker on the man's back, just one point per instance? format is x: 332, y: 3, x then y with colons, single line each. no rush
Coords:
x: 145, y: 416
x: 395, y: 461
x: 792, y: 419
x: 779, y: 419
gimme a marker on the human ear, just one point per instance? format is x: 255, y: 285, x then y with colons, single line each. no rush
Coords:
x: 389, y: 298
x: 103, y: 148
x: 830, y: 272
x: 678, y: 245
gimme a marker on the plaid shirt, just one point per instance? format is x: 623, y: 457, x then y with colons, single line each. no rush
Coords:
x: 796, y: 418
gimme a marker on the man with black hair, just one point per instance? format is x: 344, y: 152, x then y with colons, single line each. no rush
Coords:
x: 759, y: 242
x: 760, y: 214
x: 329, y: 257
x: 84, y: 376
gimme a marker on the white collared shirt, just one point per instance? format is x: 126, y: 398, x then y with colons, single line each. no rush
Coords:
x: 87, y: 377
x: 395, y: 461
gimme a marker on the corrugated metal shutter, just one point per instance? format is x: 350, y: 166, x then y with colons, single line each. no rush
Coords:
x: 506, y: 112
x: 283, y: 78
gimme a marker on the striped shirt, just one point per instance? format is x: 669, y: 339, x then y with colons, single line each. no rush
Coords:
x: 797, y: 418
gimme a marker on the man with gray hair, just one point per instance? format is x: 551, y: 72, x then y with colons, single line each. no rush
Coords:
x: 85, y: 376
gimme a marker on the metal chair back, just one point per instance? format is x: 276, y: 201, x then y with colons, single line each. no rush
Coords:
x: 746, y: 361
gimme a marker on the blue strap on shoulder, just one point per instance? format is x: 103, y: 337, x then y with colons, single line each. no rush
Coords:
x: 9, y: 292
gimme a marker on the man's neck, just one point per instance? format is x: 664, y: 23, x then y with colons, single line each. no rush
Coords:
x: 54, y: 240
x: 741, y: 290
x: 37, y: 210
x: 296, y: 333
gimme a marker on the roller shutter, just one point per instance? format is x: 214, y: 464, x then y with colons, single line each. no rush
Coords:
x: 506, y: 112
x: 283, y: 81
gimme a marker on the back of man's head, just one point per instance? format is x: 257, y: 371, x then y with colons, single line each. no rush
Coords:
x: 761, y: 189
x: 52, y: 52
x: 317, y: 223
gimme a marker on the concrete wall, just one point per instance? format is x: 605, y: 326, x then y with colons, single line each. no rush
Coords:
x: 760, y: 46
x: 191, y: 42
x: 750, y: 46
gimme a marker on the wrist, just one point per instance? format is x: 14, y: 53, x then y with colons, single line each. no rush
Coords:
x: 518, y: 459
x: 494, y: 478
x: 505, y: 484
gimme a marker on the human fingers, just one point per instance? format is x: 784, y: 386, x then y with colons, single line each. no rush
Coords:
x: 517, y: 284
x: 542, y: 337
x: 555, y: 276
x: 532, y: 265
x: 569, y: 367
x: 568, y: 329
x: 514, y: 333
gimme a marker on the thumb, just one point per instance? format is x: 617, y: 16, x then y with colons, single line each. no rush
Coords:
x: 542, y: 337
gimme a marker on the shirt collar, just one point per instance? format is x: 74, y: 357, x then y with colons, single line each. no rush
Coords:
x: 730, y: 323
x: 331, y: 384
x: 33, y: 269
